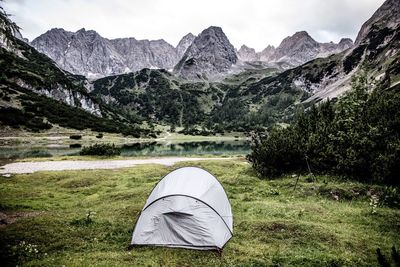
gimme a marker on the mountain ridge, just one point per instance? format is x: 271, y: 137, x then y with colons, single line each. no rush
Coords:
x: 35, y: 94
x: 87, y: 53
x: 208, y: 57
x: 295, y: 50
x: 258, y: 96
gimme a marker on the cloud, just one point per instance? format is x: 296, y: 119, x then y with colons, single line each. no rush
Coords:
x: 255, y: 23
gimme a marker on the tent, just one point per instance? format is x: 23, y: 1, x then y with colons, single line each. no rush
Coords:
x: 188, y: 208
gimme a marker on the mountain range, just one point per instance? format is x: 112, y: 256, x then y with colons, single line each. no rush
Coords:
x: 295, y: 50
x: 89, y: 54
x: 207, y: 84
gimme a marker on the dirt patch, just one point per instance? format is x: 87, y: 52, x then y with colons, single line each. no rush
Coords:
x: 10, y: 218
x: 31, y: 167
x: 78, y: 183
x: 277, y: 227
x: 293, y: 233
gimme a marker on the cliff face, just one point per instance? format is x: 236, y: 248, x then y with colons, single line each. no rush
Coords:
x: 89, y: 54
x: 184, y: 44
x: 24, y: 67
x: 246, y: 53
x: 388, y: 15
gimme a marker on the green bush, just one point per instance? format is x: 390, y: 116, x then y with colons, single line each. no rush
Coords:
x: 17, y: 118
x: 358, y: 136
x: 75, y: 146
x: 75, y: 137
x: 101, y: 150
x: 36, y: 153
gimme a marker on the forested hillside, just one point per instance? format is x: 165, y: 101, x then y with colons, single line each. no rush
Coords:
x: 35, y: 94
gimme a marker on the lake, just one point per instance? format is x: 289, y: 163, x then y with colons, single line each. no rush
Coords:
x: 237, y: 147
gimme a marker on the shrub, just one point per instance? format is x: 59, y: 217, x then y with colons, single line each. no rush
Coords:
x: 36, y: 154
x: 101, y: 150
x: 99, y: 135
x: 358, y: 136
x: 75, y: 145
x: 75, y: 137
x: 16, y: 118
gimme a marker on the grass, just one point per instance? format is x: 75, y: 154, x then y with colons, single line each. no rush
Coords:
x: 323, y: 223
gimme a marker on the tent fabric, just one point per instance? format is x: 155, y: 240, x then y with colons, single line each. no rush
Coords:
x: 188, y: 208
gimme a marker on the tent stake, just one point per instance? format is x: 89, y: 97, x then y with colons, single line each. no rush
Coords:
x: 309, y: 169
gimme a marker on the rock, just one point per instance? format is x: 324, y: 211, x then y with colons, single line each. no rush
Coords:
x: 388, y: 15
x: 87, y: 53
x: 209, y: 57
x: 294, y: 51
x: 184, y: 44
x: 247, y: 54
x: 266, y: 54
x: 377, y: 48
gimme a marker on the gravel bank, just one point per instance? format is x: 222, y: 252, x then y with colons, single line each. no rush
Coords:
x: 30, y: 167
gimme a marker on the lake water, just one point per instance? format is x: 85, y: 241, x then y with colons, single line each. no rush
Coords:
x: 237, y: 147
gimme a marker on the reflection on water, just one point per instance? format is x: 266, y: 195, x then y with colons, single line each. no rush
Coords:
x: 137, y: 149
x: 189, y: 148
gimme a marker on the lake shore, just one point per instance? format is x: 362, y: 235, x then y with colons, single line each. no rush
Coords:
x: 61, y: 137
x: 31, y: 167
x: 60, y: 146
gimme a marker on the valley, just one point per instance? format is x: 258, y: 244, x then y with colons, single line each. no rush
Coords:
x: 242, y: 96
x: 304, y: 138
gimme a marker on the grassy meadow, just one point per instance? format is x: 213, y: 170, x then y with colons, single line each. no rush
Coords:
x: 86, y: 218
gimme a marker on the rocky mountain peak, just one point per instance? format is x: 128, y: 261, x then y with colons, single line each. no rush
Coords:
x: 89, y: 36
x: 55, y: 30
x: 189, y: 36
x: 87, y: 53
x: 208, y: 57
x: 55, y: 33
x: 184, y: 43
x: 215, y: 38
x: 246, y: 48
x: 246, y: 53
x: 297, y: 40
x: 267, y: 53
x: 346, y: 41
x: 297, y: 49
x: 301, y: 34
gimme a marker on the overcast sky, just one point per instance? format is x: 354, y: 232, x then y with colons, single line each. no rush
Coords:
x: 255, y: 23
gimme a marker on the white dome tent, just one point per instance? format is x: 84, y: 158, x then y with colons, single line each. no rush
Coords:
x: 188, y: 208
